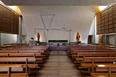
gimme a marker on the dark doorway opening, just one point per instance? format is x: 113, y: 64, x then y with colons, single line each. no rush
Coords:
x: 90, y: 39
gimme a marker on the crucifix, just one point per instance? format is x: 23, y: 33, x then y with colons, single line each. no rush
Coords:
x: 47, y: 21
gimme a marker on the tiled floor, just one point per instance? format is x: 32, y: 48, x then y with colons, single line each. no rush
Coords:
x: 58, y: 65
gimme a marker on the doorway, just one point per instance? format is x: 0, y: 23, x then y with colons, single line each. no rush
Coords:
x: 90, y: 39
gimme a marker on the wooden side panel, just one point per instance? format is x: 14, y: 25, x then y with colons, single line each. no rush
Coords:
x: 100, y: 39
x: 9, y: 20
x: 106, y: 20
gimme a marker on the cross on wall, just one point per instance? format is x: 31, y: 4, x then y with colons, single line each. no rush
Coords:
x: 47, y: 26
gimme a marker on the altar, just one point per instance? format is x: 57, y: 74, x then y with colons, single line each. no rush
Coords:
x: 32, y: 43
x: 57, y: 42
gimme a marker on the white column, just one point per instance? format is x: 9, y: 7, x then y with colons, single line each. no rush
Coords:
x: 19, y: 36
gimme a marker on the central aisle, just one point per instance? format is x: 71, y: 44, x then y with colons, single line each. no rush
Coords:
x: 59, y: 65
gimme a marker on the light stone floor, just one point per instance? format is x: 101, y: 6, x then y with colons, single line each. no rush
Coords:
x: 58, y: 65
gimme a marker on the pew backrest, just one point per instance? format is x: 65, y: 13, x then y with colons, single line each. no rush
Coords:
x: 17, y: 59
x: 101, y: 69
x: 99, y: 59
x: 24, y: 54
x: 13, y: 69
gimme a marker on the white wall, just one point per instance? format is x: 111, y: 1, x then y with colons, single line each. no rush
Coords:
x: 93, y: 31
x: 96, y: 36
x: 76, y: 18
x: 53, y: 35
x: 8, y: 38
x: 92, y: 28
x: 112, y: 39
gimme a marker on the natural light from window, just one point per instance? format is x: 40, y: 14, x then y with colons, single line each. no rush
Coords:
x: 16, y: 9
x: 1, y: 2
x: 102, y: 7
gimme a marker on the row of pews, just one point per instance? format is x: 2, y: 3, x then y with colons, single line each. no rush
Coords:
x: 22, y: 61
x: 12, y: 45
x: 93, y: 61
x: 104, y: 45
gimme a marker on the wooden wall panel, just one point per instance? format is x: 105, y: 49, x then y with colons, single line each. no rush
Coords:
x: 9, y: 20
x: 106, y: 20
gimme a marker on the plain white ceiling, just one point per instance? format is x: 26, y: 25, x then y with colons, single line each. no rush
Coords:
x: 59, y: 2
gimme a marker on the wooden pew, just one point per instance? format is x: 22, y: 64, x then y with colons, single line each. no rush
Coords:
x: 95, y: 60
x: 88, y: 58
x: 16, y: 55
x: 89, y: 51
x: 39, y: 57
x: 17, y: 59
x: 99, y: 59
x: 20, y: 52
x: 101, y: 71
x: 43, y: 52
x: 76, y: 51
x: 102, y: 75
x: 3, y: 54
x: 12, y: 68
x: 86, y: 67
x: 30, y: 51
x: 93, y: 54
x: 15, y: 67
x: 8, y: 51
x: 38, y: 54
x: 23, y: 65
x: 20, y: 60
x: 31, y: 64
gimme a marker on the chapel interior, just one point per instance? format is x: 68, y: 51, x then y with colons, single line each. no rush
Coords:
x: 57, y: 38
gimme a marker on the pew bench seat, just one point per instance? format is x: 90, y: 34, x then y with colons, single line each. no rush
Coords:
x: 23, y: 65
x: 102, y: 74
x: 31, y: 65
x: 88, y: 65
x: 15, y: 75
